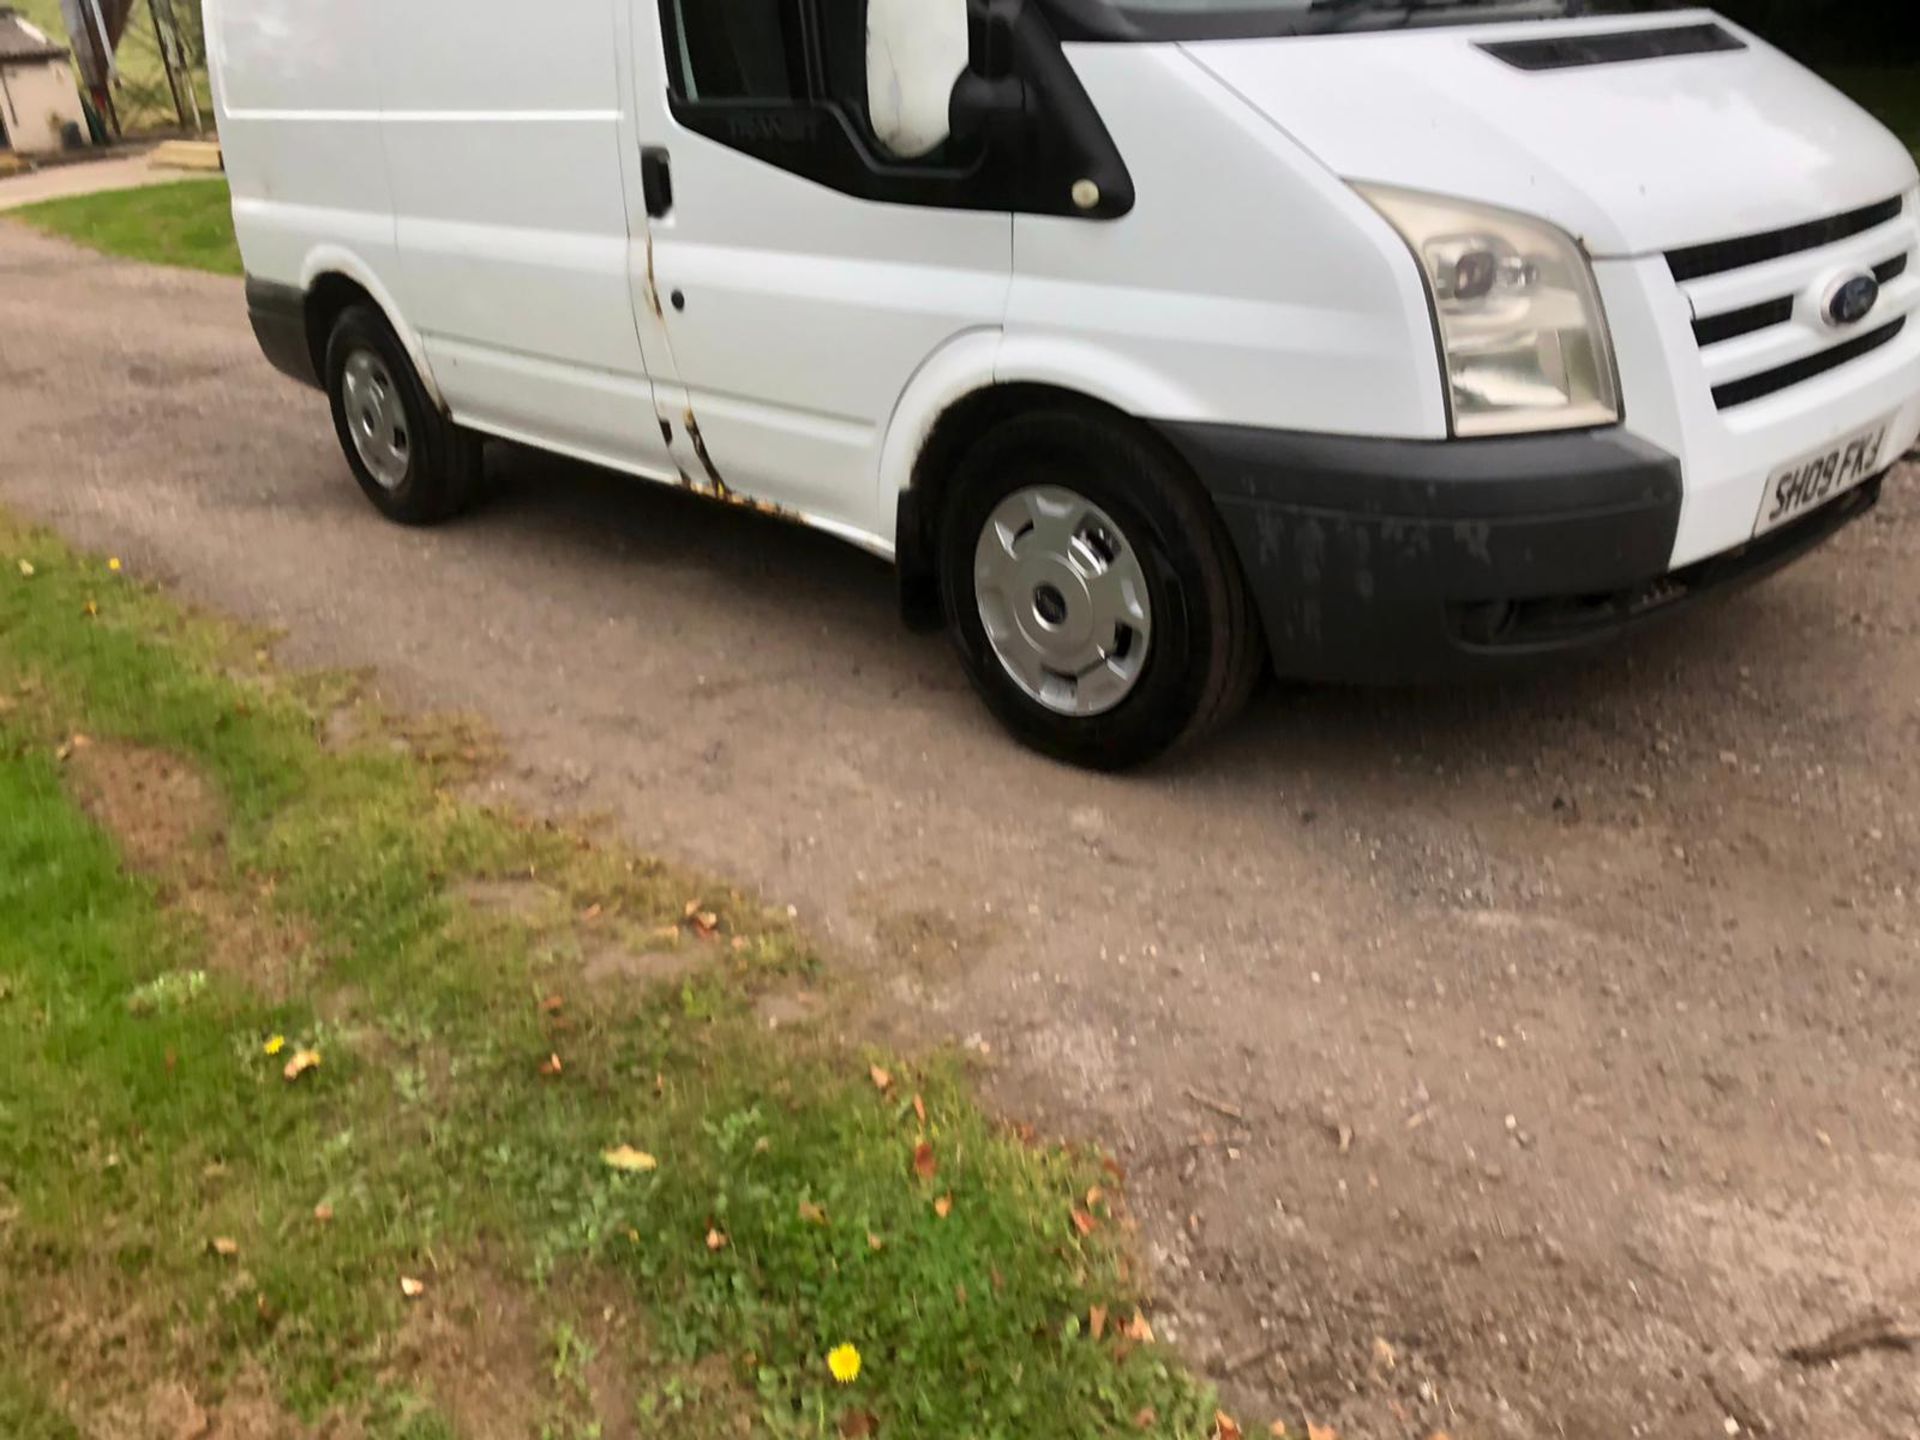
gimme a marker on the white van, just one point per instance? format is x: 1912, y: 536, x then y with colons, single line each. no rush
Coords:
x: 1154, y: 341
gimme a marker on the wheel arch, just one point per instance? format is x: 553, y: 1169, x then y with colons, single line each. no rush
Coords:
x: 334, y: 278
x: 967, y: 390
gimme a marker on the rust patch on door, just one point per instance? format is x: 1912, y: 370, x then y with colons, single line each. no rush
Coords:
x: 653, y: 291
x: 720, y: 490
x: 715, y: 487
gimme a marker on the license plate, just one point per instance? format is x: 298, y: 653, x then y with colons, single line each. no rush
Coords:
x: 1809, y: 483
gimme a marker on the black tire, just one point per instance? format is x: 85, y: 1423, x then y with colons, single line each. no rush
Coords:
x: 1206, y: 651
x: 442, y: 461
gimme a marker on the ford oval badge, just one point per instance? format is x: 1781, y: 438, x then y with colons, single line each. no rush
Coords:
x: 1852, y: 300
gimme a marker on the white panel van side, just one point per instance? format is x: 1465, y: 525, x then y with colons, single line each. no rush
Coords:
x: 1369, y: 341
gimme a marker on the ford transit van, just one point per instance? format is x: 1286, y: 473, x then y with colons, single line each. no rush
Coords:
x: 1156, y: 342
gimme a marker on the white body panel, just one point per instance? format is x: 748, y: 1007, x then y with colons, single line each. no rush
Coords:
x: 299, y: 110
x: 475, y: 167
x: 502, y: 134
x: 1247, y: 288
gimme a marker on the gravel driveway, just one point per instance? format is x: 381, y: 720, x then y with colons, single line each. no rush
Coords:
x: 1530, y: 1061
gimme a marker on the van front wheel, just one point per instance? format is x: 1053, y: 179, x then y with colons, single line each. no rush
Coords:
x: 1091, y: 595
x: 413, y: 463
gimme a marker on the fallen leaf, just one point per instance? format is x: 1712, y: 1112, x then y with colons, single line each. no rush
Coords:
x: 1384, y: 1354
x: 874, y: 1242
x: 223, y: 1247
x: 858, y: 1425
x: 323, y: 1213
x: 1094, y: 1196
x: 706, y: 924
x: 592, y: 913
x: 411, y: 1288
x: 1321, y: 1432
x: 1097, y: 1321
x: 1225, y: 1427
x: 551, y: 1066
x: 552, y: 1005
x: 26, y: 568
x: 923, y: 1162
x: 274, y: 1045
x: 920, y: 1109
x: 812, y: 1213
x: 91, y: 609
x: 1084, y: 1223
x: 881, y: 1079
x: 625, y: 1157
x: 1138, y: 1329
x: 693, y: 909
x: 1278, y: 1430
x: 301, y: 1063
x: 716, y: 1240
x: 943, y: 1207
x: 1146, y: 1418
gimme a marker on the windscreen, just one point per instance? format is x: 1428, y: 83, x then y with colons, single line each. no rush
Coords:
x: 1244, y: 19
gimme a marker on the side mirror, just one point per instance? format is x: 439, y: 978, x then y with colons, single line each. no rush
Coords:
x: 916, y: 50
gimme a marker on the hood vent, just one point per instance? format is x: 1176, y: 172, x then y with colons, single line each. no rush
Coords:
x: 1619, y: 47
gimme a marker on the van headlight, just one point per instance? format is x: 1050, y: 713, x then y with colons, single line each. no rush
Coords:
x: 1522, y: 330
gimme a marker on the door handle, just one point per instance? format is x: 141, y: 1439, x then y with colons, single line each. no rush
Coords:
x: 656, y: 180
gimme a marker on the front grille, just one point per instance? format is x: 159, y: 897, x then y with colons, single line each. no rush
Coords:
x: 1573, y: 52
x: 1775, y: 313
x: 1735, y: 323
x: 1772, y: 382
x: 1697, y: 262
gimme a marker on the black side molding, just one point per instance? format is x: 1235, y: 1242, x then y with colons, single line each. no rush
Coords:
x: 279, y: 315
x: 1620, y: 47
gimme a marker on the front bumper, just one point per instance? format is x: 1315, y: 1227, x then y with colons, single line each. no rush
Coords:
x: 1398, y: 561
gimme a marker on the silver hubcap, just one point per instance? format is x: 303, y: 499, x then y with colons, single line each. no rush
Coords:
x: 1063, y: 600
x: 377, y: 418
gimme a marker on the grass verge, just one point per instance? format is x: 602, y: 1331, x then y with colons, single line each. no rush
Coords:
x: 187, y: 224
x: 544, y: 1167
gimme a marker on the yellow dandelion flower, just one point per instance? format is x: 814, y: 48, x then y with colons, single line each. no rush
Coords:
x: 275, y: 1045
x: 844, y: 1362
x: 114, y: 564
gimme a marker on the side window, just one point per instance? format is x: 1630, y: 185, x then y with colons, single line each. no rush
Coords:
x: 860, y: 96
x: 771, y: 52
x: 737, y: 50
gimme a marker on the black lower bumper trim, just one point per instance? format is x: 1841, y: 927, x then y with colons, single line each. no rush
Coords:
x: 279, y: 315
x: 1394, y: 561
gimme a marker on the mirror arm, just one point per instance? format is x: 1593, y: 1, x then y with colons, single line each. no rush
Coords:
x: 995, y: 111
